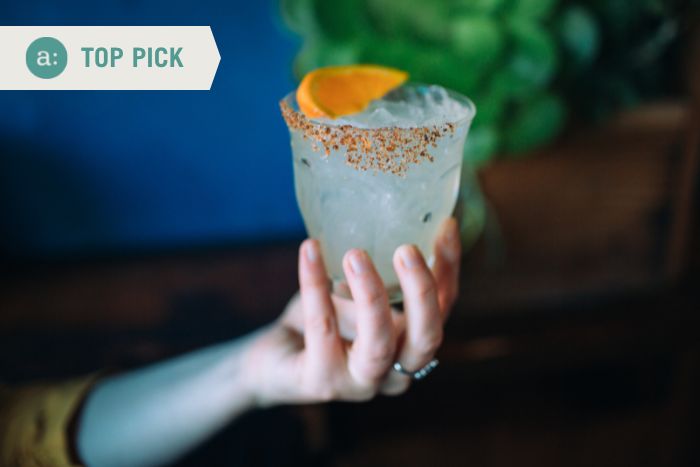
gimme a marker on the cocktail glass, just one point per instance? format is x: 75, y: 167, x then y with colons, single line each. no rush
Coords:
x: 376, y: 188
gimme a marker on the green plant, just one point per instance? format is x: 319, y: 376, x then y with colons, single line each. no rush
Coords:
x: 500, y: 53
x: 527, y: 64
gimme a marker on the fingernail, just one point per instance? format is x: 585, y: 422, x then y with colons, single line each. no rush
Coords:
x: 450, y: 252
x: 450, y: 246
x: 452, y: 229
x: 409, y: 257
x: 311, y: 251
x: 358, y: 262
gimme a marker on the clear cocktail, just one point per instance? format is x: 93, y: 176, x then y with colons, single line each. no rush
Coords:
x: 380, y: 178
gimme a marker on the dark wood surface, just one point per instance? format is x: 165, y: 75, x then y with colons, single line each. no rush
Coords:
x: 606, y: 210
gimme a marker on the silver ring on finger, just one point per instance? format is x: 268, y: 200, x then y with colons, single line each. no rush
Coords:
x: 418, y: 374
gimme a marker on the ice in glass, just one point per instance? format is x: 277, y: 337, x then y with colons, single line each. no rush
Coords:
x: 383, y: 177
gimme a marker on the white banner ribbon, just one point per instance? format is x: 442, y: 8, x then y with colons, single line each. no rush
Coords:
x: 107, y: 57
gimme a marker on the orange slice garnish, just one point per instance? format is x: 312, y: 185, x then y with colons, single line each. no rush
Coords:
x: 343, y: 90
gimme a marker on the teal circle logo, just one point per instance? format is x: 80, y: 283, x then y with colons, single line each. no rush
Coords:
x: 46, y: 57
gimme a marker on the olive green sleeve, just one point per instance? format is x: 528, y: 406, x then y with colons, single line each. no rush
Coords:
x: 34, y: 421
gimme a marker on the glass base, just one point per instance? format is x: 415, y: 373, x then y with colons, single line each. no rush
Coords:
x: 341, y: 289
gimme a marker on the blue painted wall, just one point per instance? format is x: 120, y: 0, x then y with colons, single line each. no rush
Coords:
x: 84, y: 172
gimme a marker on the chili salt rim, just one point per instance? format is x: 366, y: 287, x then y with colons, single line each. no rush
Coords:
x: 384, y: 149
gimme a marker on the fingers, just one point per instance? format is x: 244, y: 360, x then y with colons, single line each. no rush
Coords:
x: 372, y: 351
x: 423, y: 319
x: 321, y: 339
x: 446, y: 267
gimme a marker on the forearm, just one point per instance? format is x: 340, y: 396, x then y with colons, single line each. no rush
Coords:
x: 154, y: 415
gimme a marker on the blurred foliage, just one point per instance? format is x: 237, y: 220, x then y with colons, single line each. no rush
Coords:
x: 639, y: 53
x: 527, y: 64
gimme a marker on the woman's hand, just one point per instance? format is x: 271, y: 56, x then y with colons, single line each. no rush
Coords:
x: 321, y: 348
x: 328, y: 348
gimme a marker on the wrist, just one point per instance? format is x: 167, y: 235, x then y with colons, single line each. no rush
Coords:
x: 253, y: 369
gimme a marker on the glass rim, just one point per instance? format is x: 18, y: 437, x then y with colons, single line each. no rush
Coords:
x: 291, y: 101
